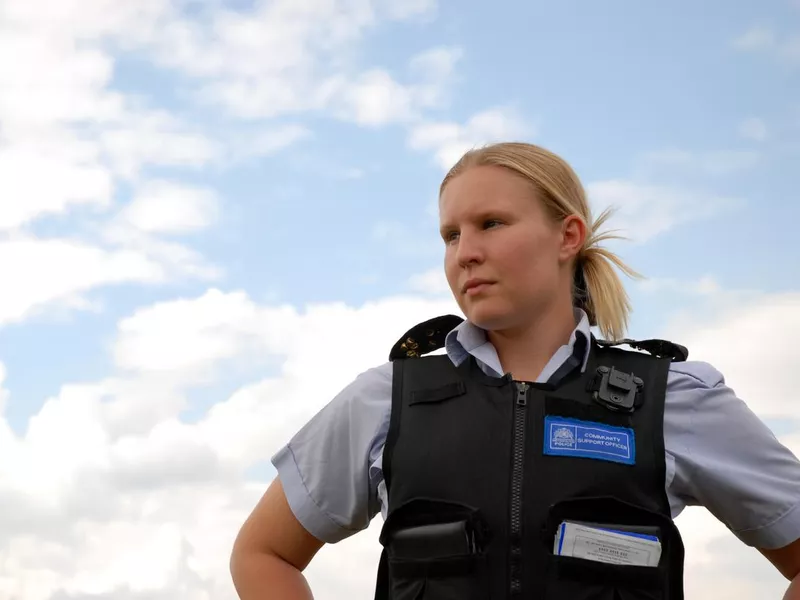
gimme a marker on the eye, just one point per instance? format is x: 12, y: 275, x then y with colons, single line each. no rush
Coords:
x: 491, y: 222
x: 450, y: 237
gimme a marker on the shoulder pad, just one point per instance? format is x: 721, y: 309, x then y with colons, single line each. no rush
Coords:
x: 660, y: 348
x: 424, y: 337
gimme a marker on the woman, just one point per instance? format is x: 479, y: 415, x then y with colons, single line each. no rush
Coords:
x: 523, y: 260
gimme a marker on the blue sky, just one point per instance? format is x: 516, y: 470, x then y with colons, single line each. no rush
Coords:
x: 163, y: 158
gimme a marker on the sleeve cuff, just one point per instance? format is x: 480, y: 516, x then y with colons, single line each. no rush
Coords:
x: 313, y: 518
x: 779, y: 533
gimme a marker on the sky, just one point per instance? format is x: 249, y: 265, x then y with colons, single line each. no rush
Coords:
x: 213, y: 215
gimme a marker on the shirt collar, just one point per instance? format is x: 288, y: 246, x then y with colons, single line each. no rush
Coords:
x: 468, y: 339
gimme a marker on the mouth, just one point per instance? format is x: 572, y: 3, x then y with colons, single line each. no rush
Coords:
x: 475, y: 286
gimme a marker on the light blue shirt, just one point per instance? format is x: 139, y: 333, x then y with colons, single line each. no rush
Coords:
x: 718, y: 453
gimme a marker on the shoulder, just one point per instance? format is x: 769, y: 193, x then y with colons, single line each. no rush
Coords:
x: 375, y: 375
x: 694, y: 374
x: 682, y: 372
x: 688, y: 381
x: 371, y: 387
x: 352, y: 415
x: 697, y: 387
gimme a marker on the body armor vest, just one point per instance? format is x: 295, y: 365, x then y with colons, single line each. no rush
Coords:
x: 481, y: 472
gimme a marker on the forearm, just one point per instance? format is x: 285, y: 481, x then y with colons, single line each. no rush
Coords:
x: 793, y: 593
x: 267, y: 577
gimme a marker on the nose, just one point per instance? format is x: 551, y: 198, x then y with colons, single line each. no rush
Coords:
x: 469, y: 250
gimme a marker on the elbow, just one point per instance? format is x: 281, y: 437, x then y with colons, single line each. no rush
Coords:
x: 241, y: 567
x: 250, y: 573
x: 235, y: 562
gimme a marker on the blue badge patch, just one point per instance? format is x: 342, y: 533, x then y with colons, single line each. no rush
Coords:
x: 584, y: 439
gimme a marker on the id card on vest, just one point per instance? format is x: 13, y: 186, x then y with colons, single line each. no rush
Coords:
x: 607, y: 545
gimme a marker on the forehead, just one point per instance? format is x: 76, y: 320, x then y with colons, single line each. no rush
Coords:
x: 484, y: 189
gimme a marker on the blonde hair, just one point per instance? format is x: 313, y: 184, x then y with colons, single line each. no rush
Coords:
x: 597, y: 288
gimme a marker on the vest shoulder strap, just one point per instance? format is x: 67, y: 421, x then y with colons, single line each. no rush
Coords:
x: 429, y: 336
x: 659, y: 348
x: 424, y: 337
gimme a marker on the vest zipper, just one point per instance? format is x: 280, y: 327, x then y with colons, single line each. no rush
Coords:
x: 520, y: 412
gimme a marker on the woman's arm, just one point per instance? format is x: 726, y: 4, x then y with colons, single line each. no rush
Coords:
x: 787, y: 561
x: 271, y: 551
x: 729, y: 461
x: 326, y: 485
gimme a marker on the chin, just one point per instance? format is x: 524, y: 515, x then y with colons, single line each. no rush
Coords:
x: 488, y: 316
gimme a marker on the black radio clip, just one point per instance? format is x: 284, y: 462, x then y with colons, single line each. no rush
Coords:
x: 617, y: 390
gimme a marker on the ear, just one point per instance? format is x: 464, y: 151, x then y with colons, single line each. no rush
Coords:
x: 573, y: 236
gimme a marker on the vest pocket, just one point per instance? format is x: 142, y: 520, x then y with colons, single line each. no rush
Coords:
x: 438, y: 394
x: 449, y: 578
x: 581, y: 579
x: 584, y: 579
x: 435, y: 551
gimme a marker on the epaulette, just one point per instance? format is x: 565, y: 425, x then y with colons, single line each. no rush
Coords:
x: 425, y: 337
x: 660, y: 348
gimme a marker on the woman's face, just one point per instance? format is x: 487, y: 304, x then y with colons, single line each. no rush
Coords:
x: 505, y: 259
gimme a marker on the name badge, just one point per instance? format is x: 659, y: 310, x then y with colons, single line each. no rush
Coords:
x: 585, y: 439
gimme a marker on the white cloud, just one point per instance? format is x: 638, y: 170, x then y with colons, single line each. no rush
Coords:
x: 86, y: 19
x: 154, y: 138
x: 754, y: 129
x: 761, y: 38
x: 703, y: 287
x: 433, y: 74
x: 69, y: 142
x: 113, y: 131
x: 386, y: 230
x: 44, y: 276
x: 48, y: 177
x: 766, y: 318
x: 375, y: 99
x: 74, y: 89
x: 757, y: 37
x: 645, y: 211
x: 168, y: 207
x: 449, y: 140
x: 404, y: 241
x: 301, y: 66
x: 38, y: 273
x: 408, y: 9
x: 436, y: 63
x: 717, y: 163
x: 431, y: 282
x: 190, y: 336
x: 266, y: 142
x: 74, y: 126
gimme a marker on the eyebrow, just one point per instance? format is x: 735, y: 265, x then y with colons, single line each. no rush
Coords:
x: 481, y: 215
x: 445, y: 227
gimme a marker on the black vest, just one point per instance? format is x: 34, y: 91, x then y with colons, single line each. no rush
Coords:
x: 481, y: 472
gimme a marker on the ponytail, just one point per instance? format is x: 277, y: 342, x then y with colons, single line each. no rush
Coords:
x: 598, y: 288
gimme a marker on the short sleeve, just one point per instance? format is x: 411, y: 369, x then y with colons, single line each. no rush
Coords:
x: 727, y: 460
x: 325, y: 467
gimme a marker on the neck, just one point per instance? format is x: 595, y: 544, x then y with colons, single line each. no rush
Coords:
x: 525, y: 350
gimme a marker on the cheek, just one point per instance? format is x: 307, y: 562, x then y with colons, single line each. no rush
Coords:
x: 530, y: 255
x: 450, y: 267
x: 523, y: 248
